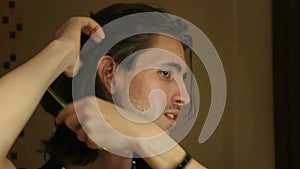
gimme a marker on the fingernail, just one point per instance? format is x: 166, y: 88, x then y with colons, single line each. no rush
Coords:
x: 100, y: 33
x: 98, y: 36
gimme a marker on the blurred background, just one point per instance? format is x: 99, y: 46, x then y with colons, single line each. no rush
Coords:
x: 256, y: 41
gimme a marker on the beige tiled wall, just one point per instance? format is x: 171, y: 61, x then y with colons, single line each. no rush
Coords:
x: 240, y: 31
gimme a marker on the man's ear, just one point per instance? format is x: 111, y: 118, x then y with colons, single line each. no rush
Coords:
x: 106, y: 70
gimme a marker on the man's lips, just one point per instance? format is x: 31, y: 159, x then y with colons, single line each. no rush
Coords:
x: 172, y: 115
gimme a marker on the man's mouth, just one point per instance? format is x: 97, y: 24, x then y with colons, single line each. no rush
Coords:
x: 172, y: 116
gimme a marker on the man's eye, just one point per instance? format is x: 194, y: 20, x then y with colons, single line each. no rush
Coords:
x: 165, y: 74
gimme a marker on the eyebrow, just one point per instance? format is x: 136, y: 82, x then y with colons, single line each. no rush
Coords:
x: 175, y: 65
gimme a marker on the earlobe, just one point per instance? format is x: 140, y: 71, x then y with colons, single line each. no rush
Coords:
x: 106, y: 70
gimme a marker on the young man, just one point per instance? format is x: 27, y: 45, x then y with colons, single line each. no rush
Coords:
x: 64, y: 148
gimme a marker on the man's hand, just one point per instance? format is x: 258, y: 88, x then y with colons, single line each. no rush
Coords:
x: 70, y: 33
x: 97, y: 123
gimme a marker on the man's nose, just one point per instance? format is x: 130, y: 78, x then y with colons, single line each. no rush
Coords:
x: 181, y: 95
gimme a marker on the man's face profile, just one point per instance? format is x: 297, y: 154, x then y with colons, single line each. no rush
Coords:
x: 154, y: 87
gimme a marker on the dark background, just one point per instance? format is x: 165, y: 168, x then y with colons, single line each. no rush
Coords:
x: 286, y: 82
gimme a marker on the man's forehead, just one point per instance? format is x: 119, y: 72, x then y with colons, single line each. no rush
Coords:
x: 159, y: 57
x: 170, y: 44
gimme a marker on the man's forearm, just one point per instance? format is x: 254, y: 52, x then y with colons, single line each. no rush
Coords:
x: 22, y: 89
x: 6, y: 164
x: 161, y: 151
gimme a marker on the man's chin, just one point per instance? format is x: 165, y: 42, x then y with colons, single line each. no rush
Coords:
x: 165, y: 128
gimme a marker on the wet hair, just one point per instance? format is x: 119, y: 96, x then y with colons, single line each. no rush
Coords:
x: 63, y: 147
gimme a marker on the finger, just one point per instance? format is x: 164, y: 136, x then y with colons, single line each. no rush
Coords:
x: 84, y: 24
x: 92, y: 28
x: 98, y: 36
x: 81, y: 135
x: 91, y: 144
x: 72, y: 122
x: 62, y: 115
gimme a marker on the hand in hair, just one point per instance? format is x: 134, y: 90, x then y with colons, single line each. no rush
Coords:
x: 99, y: 124
x: 116, y: 134
x: 24, y: 86
x: 98, y: 129
x: 70, y: 33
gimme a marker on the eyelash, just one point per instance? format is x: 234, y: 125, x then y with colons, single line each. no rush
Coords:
x: 163, y: 74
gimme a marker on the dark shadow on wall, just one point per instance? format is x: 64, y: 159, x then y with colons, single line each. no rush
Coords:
x: 286, y: 62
